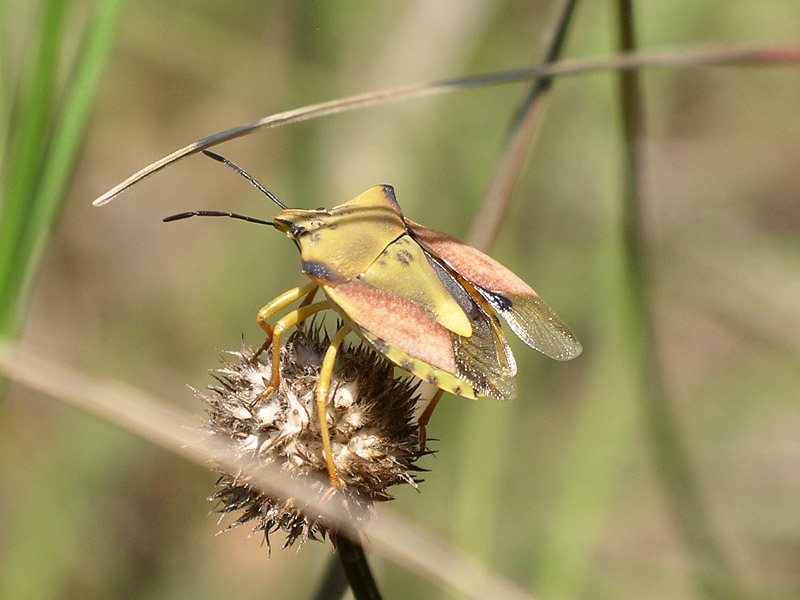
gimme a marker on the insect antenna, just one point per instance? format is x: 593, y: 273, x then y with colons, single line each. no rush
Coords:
x: 246, y: 175
x: 216, y: 213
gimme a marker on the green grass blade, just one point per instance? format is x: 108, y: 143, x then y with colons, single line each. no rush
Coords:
x: 25, y: 154
x: 36, y: 107
x: 66, y: 141
x: 6, y: 93
x: 44, y: 199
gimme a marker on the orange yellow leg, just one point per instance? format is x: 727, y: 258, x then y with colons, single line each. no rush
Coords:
x: 291, y: 319
x: 309, y: 297
x: 282, y: 301
x: 323, y: 387
x: 425, y: 417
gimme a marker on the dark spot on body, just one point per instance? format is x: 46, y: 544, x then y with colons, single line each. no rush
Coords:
x: 319, y: 270
x: 501, y: 303
x: 314, y: 237
x: 457, y: 389
x: 406, y: 365
x: 405, y: 257
x: 380, y: 346
x: 432, y: 379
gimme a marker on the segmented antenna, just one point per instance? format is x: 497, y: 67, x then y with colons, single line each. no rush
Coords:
x: 244, y: 174
x: 216, y: 213
x: 220, y: 213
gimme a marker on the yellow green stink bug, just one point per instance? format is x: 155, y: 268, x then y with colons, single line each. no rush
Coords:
x: 423, y: 299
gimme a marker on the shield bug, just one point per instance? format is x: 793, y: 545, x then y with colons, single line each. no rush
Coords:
x: 421, y: 298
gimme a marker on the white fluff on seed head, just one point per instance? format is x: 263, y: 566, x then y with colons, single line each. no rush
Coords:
x: 369, y: 415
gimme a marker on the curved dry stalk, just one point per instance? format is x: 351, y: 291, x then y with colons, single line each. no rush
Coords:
x: 478, y: 506
x: 524, y: 126
x: 715, y: 55
x: 394, y: 536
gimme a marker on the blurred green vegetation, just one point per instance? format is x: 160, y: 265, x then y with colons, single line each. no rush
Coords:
x: 572, y: 503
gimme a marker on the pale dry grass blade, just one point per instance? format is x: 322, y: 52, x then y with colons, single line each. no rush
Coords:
x: 136, y: 412
x: 719, y: 55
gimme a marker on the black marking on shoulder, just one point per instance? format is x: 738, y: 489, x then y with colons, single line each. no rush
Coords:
x: 319, y: 270
x: 389, y: 191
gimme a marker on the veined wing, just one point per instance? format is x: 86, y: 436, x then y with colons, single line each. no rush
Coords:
x: 483, y: 358
x: 526, y: 313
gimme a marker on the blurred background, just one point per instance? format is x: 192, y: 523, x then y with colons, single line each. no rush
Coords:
x: 570, y: 490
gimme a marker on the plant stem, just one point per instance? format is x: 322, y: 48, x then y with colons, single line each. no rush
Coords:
x: 714, y: 576
x: 523, y: 128
x: 334, y: 583
x: 356, y: 568
x: 478, y: 508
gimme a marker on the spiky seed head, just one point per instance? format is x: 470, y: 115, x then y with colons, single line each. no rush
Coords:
x: 374, y: 434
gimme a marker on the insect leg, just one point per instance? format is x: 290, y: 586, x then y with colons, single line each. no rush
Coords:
x: 309, y: 297
x: 274, y: 306
x: 293, y: 318
x: 425, y: 417
x: 323, y: 385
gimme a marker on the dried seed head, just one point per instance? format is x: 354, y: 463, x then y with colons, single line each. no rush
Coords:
x: 374, y: 435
